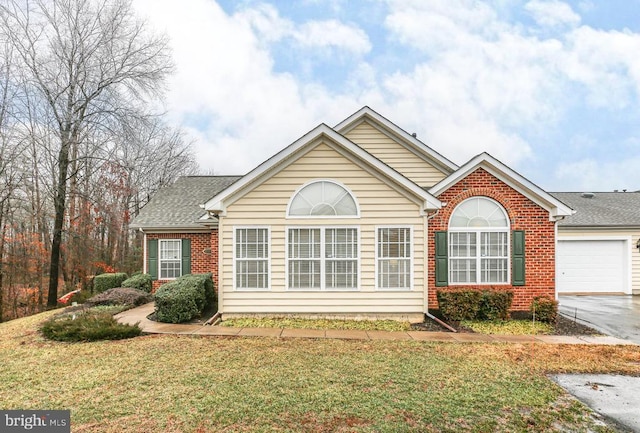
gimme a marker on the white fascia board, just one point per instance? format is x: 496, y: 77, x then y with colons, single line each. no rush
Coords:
x: 365, y: 112
x: 217, y: 203
x: 516, y: 181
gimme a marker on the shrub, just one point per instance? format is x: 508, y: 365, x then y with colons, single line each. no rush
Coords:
x: 120, y: 296
x: 87, y: 326
x: 459, y: 304
x: 184, y: 299
x: 495, y: 304
x: 139, y: 281
x: 207, y: 282
x: 545, y: 309
x: 104, y: 282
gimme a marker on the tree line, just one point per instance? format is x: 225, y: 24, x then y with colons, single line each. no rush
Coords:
x: 83, y: 143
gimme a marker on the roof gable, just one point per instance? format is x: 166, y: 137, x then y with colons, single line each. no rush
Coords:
x: 397, y: 134
x: 516, y: 181
x: 320, y: 134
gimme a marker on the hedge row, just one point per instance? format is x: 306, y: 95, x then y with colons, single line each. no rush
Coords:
x: 104, y: 282
x: 470, y: 304
x: 184, y: 299
x: 139, y: 281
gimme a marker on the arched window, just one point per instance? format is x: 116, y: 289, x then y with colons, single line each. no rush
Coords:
x: 479, y: 243
x: 323, y: 198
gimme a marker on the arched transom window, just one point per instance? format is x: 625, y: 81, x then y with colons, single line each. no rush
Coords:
x: 323, y: 198
x: 479, y: 243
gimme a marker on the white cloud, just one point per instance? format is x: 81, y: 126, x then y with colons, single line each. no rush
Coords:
x: 225, y: 91
x: 606, y: 64
x: 471, y: 81
x: 596, y: 175
x: 552, y: 13
x: 334, y: 34
x: 270, y: 26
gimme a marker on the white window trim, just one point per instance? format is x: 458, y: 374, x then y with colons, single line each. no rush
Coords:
x: 478, y: 258
x: 340, y: 184
x: 411, y: 259
x: 235, y: 259
x: 160, y: 260
x: 322, y: 259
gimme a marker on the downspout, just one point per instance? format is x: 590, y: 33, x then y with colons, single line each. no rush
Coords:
x: 429, y: 315
x: 220, y: 266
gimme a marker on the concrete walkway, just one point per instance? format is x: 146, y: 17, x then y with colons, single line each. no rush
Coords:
x: 139, y: 315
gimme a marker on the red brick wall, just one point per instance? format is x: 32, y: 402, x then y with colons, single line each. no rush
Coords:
x: 201, y: 261
x: 524, y: 215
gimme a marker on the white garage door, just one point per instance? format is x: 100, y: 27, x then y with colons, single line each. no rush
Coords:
x: 592, y: 266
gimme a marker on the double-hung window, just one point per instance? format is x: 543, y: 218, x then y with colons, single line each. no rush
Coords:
x: 393, y: 255
x: 321, y: 258
x: 251, y: 258
x: 170, y: 258
x: 478, y: 243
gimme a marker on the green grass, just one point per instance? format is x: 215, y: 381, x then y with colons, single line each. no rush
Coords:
x: 508, y: 327
x: 168, y: 383
x: 286, y: 322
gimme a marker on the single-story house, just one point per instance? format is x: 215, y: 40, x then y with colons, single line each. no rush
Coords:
x: 359, y: 220
x: 597, y: 251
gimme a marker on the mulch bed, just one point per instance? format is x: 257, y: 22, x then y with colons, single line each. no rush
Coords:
x: 564, y: 326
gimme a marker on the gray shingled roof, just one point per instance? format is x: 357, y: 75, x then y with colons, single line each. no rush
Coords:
x: 178, y: 205
x: 608, y: 209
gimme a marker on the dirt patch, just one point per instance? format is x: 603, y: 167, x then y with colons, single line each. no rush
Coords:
x: 565, y: 326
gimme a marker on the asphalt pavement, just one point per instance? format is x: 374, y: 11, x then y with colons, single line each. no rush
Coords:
x: 618, y: 316
x: 615, y: 397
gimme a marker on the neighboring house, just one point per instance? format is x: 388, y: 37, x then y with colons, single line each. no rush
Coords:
x: 361, y: 219
x: 598, y: 246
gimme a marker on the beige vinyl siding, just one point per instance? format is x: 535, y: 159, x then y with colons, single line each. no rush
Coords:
x: 265, y: 206
x: 395, y: 155
x: 567, y: 233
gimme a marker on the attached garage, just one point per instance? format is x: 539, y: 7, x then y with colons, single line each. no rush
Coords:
x: 593, y: 266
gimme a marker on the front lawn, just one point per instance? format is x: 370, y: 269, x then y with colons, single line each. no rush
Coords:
x: 171, y: 383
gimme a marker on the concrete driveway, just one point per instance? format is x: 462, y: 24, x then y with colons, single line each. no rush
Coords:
x: 614, y: 315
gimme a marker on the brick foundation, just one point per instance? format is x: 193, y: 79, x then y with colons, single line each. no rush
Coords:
x: 523, y: 215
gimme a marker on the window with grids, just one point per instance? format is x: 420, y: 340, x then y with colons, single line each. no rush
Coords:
x: 479, y: 243
x: 251, y: 258
x: 170, y: 258
x: 394, y: 258
x: 322, y: 258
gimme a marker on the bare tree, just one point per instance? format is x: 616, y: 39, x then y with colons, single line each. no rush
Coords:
x: 10, y: 173
x: 91, y: 63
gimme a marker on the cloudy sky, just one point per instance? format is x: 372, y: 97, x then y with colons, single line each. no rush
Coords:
x: 551, y: 88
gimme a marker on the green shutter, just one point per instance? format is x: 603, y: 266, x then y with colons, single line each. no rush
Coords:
x: 152, y: 258
x: 186, y: 256
x: 442, y: 265
x: 517, y: 276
